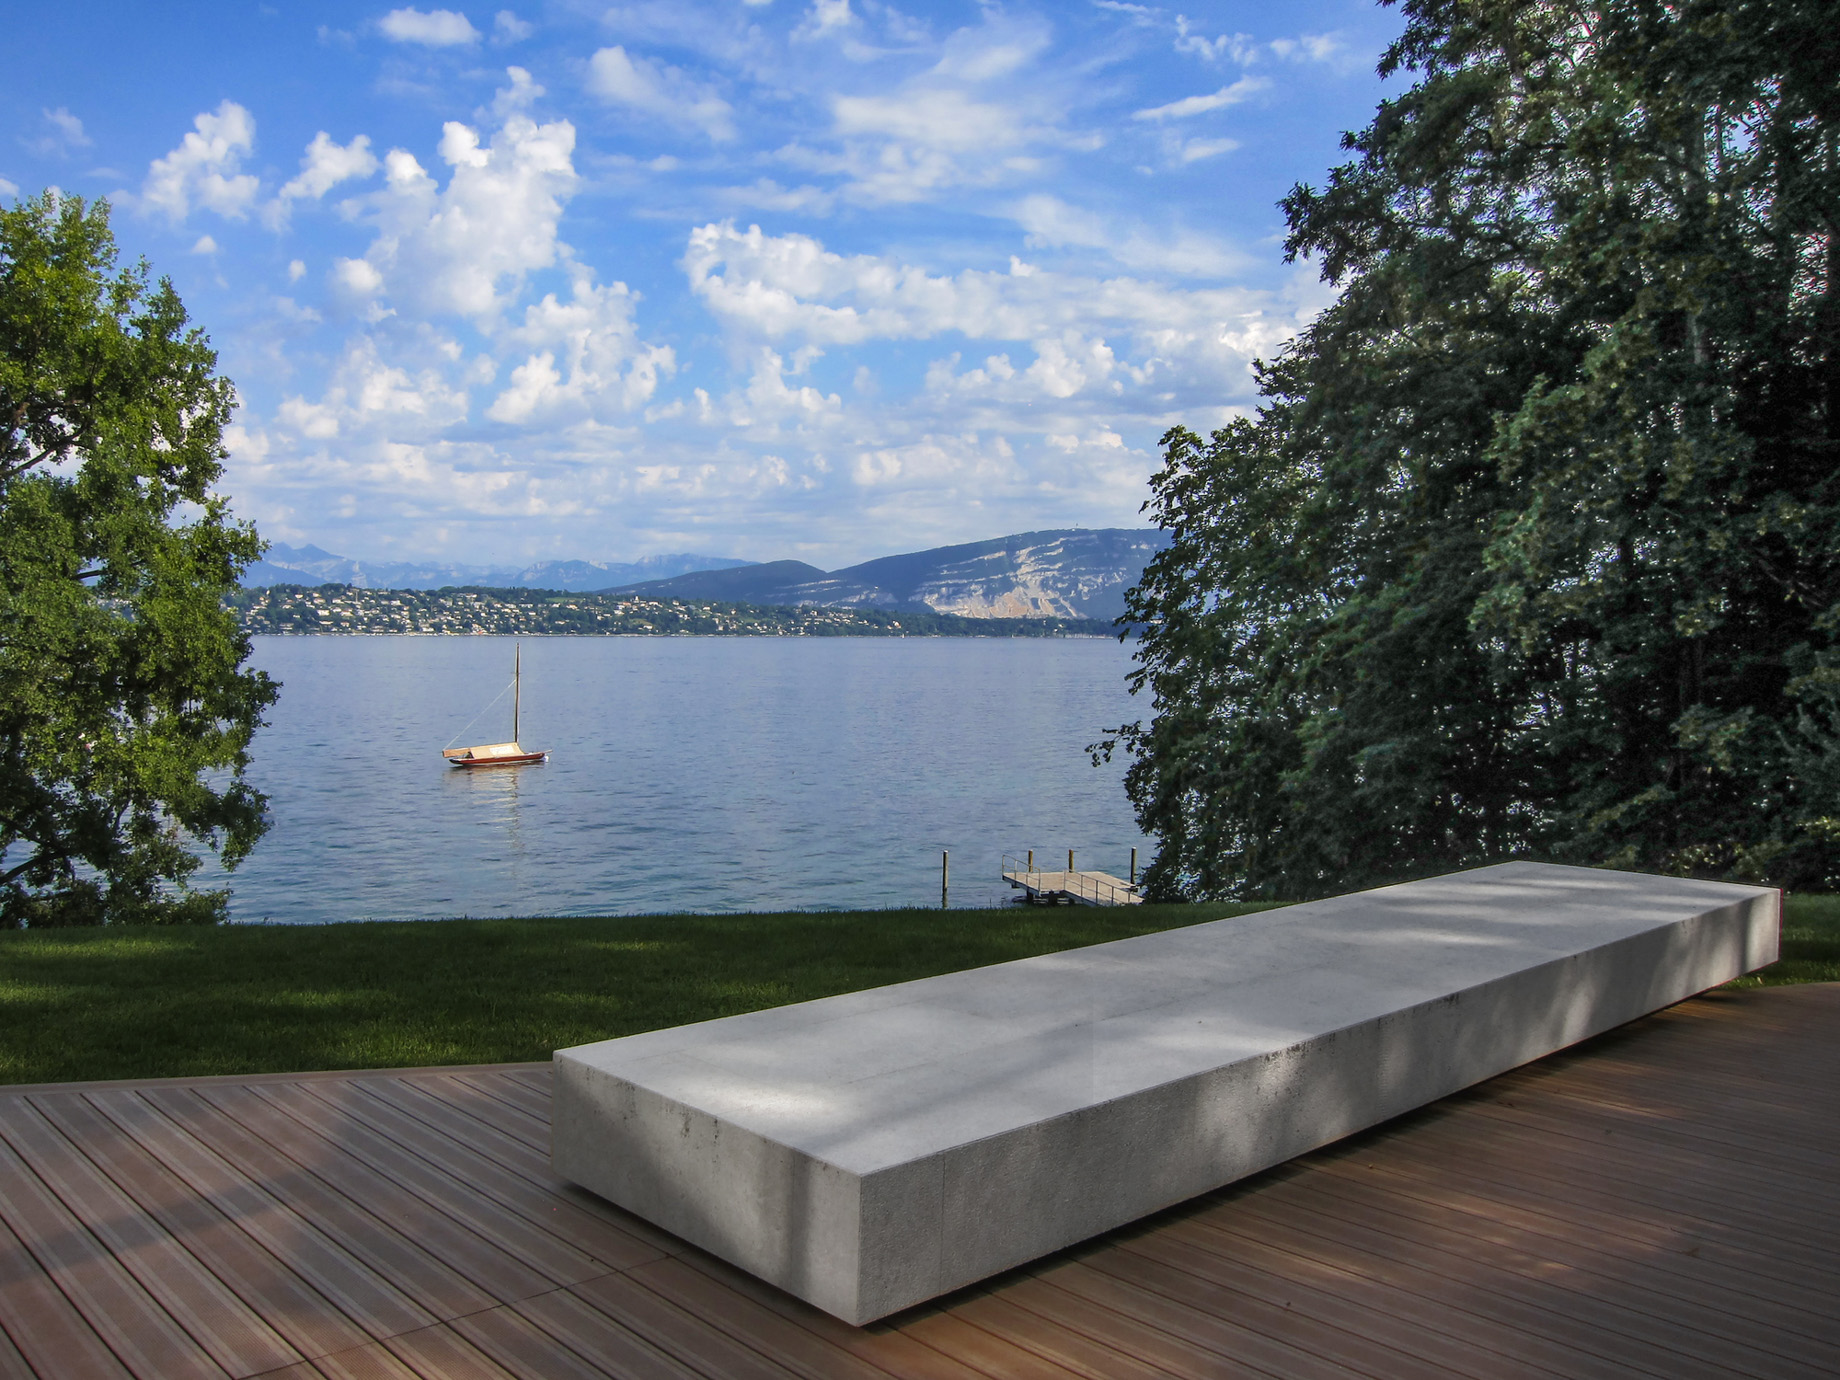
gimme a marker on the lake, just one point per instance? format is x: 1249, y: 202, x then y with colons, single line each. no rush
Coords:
x: 702, y: 774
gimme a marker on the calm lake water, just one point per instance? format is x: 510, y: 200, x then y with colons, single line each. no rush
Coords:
x: 704, y: 774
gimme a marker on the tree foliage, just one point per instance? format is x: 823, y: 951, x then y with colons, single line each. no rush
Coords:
x: 124, y: 715
x: 1533, y: 548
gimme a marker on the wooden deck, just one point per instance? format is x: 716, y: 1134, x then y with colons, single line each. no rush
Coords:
x: 1664, y: 1201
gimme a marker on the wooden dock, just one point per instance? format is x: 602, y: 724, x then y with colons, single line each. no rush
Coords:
x: 1068, y: 886
x: 1660, y: 1202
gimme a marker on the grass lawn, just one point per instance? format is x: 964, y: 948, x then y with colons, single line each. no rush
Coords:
x: 152, y: 1003
x: 132, y: 1003
x: 1810, y: 944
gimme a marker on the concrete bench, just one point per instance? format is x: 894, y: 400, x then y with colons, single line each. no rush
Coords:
x: 870, y: 1151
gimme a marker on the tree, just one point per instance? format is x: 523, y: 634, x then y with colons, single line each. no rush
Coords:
x: 1533, y: 548
x: 125, y: 718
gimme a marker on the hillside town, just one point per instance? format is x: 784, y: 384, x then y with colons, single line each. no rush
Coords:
x: 293, y: 609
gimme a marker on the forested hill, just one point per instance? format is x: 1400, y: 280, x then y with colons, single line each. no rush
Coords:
x: 293, y: 609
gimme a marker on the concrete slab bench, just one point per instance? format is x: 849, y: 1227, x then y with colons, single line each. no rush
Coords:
x: 871, y: 1151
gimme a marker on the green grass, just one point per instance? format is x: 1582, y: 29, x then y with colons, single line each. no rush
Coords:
x: 131, y: 1003
x: 1810, y: 944
x: 146, y: 1003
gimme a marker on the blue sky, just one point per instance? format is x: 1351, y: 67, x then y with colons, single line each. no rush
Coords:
x: 824, y: 279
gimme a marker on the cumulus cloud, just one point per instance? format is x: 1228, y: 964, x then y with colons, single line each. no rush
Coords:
x: 324, y: 166
x: 430, y: 29
x: 473, y: 366
x: 466, y: 249
x: 368, y: 391
x: 204, y: 169
x: 584, y: 357
x: 1093, y: 336
x: 659, y: 90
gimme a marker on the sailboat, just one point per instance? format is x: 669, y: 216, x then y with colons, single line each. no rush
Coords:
x: 511, y: 754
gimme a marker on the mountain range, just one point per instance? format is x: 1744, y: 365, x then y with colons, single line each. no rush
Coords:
x: 1070, y: 573
x: 1075, y: 573
x: 308, y: 565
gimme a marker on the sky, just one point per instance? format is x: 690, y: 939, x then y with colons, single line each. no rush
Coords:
x: 812, y: 279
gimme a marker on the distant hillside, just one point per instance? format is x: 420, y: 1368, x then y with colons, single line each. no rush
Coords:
x: 309, y: 565
x: 1063, y: 574
x: 291, y: 610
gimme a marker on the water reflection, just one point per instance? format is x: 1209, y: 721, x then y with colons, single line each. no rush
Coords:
x: 493, y: 792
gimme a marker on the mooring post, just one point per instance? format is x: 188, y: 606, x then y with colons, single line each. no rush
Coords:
x: 1031, y: 859
x: 1133, y: 867
x: 945, y: 876
x: 1070, y: 860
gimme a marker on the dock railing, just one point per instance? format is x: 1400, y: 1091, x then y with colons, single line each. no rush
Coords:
x: 1094, y: 888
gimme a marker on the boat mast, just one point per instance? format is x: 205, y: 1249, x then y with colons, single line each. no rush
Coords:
x: 517, y: 685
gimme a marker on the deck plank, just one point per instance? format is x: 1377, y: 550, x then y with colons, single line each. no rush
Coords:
x: 416, y: 1166
x: 463, y: 1151
x: 1661, y: 1202
x: 129, y: 1322
x: 49, y: 1335
x: 453, y: 1247
x: 360, y: 1292
x: 237, y: 1337
x: 369, y: 1229
x: 274, y: 1292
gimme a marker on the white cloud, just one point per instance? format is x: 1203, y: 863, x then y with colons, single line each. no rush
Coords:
x: 467, y: 249
x: 205, y: 245
x: 8, y: 188
x: 369, y: 395
x: 825, y: 16
x: 1087, y: 334
x: 1326, y: 48
x: 604, y: 367
x: 203, y: 169
x: 767, y: 195
x: 356, y: 277
x: 433, y: 29
x: 508, y: 28
x: 978, y: 116
x: 324, y: 166
x: 769, y: 405
x: 63, y: 133
x: 1163, y: 249
x: 660, y: 90
x: 1239, y: 48
x: 1239, y: 91
x: 1244, y: 51
x: 946, y: 118
x: 296, y: 270
x: 521, y: 94
x: 1194, y: 150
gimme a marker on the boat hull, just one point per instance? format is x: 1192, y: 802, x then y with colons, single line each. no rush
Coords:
x: 473, y: 763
